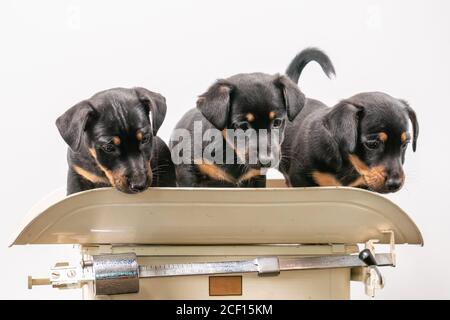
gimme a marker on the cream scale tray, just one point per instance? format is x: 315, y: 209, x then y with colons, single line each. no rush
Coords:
x: 178, y: 243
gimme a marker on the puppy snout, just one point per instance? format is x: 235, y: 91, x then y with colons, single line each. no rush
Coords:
x: 393, y: 184
x: 138, y: 184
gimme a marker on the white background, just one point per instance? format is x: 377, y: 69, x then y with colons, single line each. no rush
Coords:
x: 56, y: 53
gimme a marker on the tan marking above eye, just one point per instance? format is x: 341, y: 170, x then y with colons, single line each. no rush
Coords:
x: 116, y: 141
x: 139, y: 136
x: 272, y: 115
x: 383, y: 136
x: 250, y: 117
x: 404, y: 137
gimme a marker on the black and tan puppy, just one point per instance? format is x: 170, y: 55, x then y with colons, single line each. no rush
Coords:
x: 113, y: 142
x: 256, y: 102
x: 360, y: 142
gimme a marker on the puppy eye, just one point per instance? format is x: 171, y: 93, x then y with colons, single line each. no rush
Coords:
x: 277, y: 123
x: 405, y: 145
x: 109, y: 147
x: 244, y: 125
x: 372, y: 144
x: 146, y: 139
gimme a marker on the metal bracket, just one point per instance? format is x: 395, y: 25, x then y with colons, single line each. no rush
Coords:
x: 372, y: 277
x: 64, y: 276
x: 391, y: 244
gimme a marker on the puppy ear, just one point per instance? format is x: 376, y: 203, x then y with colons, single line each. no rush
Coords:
x: 155, y: 104
x: 412, y: 116
x: 294, y: 99
x: 342, y: 122
x: 215, y: 104
x: 73, y: 122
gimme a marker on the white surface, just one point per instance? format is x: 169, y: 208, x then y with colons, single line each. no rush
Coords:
x: 56, y: 53
x: 174, y: 216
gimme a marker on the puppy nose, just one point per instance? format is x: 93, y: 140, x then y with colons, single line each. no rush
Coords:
x: 393, y: 184
x: 138, y: 185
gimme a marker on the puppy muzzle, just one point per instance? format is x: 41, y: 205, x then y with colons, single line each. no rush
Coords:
x: 136, y: 183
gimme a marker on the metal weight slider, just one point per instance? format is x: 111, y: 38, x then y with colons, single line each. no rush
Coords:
x: 116, y: 273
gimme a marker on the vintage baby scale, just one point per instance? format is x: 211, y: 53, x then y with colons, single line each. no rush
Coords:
x: 182, y: 243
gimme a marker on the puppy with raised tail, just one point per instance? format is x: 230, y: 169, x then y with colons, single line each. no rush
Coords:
x: 258, y: 103
x: 360, y: 142
x: 112, y: 142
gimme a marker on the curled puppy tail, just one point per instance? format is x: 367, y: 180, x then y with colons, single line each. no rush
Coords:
x: 300, y: 61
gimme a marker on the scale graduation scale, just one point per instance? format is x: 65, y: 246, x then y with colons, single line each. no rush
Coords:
x: 185, y: 243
